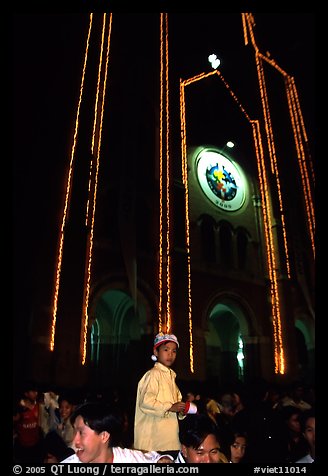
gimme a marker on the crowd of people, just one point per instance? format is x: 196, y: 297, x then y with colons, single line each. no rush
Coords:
x: 257, y: 424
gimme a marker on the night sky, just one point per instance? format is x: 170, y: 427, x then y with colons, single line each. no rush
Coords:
x: 47, y: 56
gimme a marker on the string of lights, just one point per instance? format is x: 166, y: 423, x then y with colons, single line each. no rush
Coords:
x: 93, y: 177
x: 164, y: 272
x: 67, y: 196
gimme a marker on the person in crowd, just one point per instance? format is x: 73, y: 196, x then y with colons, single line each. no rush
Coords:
x: 64, y: 427
x: 291, y: 435
x: 307, y: 421
x: 49, y: 406
x: 159, y: 403
x: 199, y: 441
x: 28, y: 440
x: 97, y: 432
x: 295, y: 397
x: 235, y: 445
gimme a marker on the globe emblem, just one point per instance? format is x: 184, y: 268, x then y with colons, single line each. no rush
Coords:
x: 221, y: 182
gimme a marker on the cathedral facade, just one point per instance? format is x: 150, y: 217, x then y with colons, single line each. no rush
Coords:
x: 189, y: 210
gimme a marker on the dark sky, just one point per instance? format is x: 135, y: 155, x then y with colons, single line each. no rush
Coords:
x: 47, y: 56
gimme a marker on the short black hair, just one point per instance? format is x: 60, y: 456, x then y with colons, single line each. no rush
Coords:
x: 194, y: 429
x: 99, y: 417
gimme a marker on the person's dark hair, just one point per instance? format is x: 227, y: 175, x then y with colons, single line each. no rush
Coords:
x: 29, y: 385
x: 232, y: 434
x: 194, y: 429
x: 289, y: 410
x: 229, y: 437
x: 99, y: 417
x: 66, y: 397
x: 304, y: 416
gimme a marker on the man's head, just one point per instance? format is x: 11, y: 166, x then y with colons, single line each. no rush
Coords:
x: 199, y: 440
x: 96, y: 430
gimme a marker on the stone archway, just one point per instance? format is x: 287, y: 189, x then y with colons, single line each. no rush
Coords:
x: 117, y: 333
x: 227, y: 341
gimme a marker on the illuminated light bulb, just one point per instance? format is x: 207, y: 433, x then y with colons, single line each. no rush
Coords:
x: 214, y: 61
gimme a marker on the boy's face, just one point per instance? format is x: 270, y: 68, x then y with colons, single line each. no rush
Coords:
x: 166, y: 353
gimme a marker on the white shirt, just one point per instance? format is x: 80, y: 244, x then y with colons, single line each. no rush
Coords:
x: 179, y: 458
x: 125, y: 455
x: 305, y: 459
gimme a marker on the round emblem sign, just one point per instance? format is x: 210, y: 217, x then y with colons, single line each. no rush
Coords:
x: 221, y: 180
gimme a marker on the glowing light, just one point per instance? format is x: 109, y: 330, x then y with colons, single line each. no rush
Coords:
x: 67, y: 199
x: 93, y: 181
x: 306, y: 169
x: 93, y: 178
x: 164, y: 271
x: 187, y: 223
x: 214, y: 61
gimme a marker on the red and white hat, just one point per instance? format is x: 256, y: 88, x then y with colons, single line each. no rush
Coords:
x: 161, y: 338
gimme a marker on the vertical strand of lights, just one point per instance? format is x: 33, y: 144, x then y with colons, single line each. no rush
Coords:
x: 68, y: 196
x: 248, y: 21
x: 279, y: 359
x: 300, y: 139
x: 160, y: 250
x: 165, y: 172
x: 184, y: 163
x: 303, y: 135
x: 272, y: 150
x: 273, y: 266
x: 93, y: 177
x: 168, y: 183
